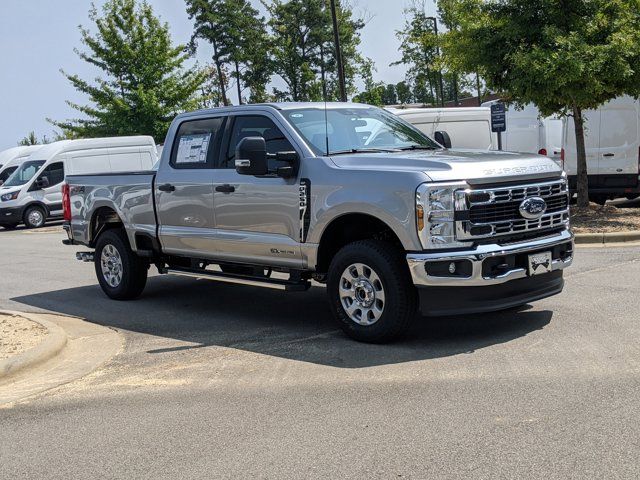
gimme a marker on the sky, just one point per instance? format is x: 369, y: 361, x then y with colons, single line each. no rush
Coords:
x: 38, y: 38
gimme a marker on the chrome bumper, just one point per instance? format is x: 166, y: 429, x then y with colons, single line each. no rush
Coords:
x: 418, y: 261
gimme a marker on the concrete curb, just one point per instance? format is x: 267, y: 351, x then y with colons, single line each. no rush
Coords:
x: 52, y: 344
x: 604, y: 238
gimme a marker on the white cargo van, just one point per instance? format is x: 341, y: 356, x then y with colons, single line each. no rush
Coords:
x: 612, y: 143
x: 33, y: 192
x: 467, y: 127
x: 12, y: 158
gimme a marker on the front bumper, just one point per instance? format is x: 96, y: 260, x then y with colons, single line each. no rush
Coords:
x: 9, y: 215
x: 488, y: 264
x: 491, y: 277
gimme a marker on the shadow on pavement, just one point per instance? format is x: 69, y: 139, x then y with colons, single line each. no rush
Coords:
x: 297, y: 326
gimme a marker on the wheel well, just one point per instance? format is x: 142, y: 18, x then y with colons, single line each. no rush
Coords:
x: 104, y: 218
x: 351, y: 228
x: 39, y: 205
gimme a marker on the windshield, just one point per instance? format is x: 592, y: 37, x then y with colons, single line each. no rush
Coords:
x: 23, y: 174
x: 356, y: 129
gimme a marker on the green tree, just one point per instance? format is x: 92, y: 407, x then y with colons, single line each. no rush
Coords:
x: 238, y: 36
x: 404, y: 93
x: 419, y: 51
x: 29, y: 139
x: 373, y: 93
x: 564, y: 57
x: 390, y: 96
x: 144, y: 85
x: 302, y: 48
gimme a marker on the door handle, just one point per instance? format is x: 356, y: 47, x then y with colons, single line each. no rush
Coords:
x: 226, y: 188
x: 609, y: 155
x: 166, y: 187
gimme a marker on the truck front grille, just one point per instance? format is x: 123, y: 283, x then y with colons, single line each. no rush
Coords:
x: 496, y: 211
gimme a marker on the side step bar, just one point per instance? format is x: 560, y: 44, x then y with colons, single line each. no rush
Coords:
x: 84, y: 256
x: 276, y: 284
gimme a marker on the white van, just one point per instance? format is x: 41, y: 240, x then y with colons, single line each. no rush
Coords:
x: 12, y: 158
x: 467, y: 127
x: 33, y: 192
x: 612, y: 143
x: 528, y: 132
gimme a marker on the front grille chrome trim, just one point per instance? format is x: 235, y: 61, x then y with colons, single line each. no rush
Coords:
x: 501, y: 197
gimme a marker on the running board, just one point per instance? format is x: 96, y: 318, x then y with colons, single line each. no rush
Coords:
x: 84, y: 256
x: 276, y: 284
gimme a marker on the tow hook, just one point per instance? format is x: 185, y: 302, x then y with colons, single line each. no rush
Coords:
x: 84, y: 256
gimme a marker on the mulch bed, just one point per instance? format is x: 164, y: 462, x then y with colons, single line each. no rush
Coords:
x: 607, y: 218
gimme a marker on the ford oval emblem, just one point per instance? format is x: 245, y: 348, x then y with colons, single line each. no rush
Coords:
x: 533, y: 208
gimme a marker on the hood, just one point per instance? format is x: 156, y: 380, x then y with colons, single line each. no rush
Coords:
x: 472, y: 166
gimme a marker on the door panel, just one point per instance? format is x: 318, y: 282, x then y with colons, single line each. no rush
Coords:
x: 259, y: 221
x: 52, y: 195
x: 618, y: 140
x: 184, y: 190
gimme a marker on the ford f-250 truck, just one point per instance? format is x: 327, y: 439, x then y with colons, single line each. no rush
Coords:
x: 349, y: 195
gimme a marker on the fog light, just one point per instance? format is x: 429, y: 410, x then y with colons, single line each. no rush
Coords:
x: 452, y: 268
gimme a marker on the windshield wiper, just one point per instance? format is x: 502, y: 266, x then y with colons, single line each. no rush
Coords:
x: 364, y: 150
x: 419, y: 147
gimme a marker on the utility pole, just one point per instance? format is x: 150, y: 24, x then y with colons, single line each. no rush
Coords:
x: 435, y: 29
x: 336, y: 37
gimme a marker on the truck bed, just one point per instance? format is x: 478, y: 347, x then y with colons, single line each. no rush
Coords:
x: 129, y: 194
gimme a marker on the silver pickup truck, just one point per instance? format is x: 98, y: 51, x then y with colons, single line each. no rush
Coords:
x: 347, y: 195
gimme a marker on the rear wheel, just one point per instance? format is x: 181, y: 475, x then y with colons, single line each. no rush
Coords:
x: 121, y: 273
x: 370, y: 291
x: 34, y: 217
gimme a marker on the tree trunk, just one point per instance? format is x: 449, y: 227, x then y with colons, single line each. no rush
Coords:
x: 479, y: 89
x: 583, y: 179
x: 238, y: 83
x: 455, y: 90
x: 222, y: 86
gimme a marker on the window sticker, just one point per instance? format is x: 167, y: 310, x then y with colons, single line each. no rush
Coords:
x: 193, y: 148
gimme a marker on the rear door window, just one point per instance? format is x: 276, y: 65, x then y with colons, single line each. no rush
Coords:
x: 197, y: 143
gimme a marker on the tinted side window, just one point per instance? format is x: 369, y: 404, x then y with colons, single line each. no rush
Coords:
x: 7, y: 172
x: 55, y: 173
x: 196, y: 143
x: 256, y: 126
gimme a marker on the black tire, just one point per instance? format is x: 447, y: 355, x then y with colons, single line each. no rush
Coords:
x: 133, y: 278
x: 398, y: 309
x: 9, y: 226
x: 34, y: 217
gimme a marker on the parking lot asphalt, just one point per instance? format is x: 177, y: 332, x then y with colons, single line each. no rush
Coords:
x: 222, y: 381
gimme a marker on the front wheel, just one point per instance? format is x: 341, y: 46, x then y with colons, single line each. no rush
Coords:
x: 370, y: 291
x: 34, y: 217
x: 121, y: 273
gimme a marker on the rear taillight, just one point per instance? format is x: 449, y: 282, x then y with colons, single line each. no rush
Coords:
x: 66, y: 202
x: 562, y: 158
x: 542, y: 151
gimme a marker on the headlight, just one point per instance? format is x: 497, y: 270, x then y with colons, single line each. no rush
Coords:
x: 9, y: 196
x: 435, y: 215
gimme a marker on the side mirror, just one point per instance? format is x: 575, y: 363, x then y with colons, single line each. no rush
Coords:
x: 443, y: 139
x: 42, y: 182
x: 251, y: 156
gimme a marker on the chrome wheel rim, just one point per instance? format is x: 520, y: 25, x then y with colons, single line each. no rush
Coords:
x: 362, y: 294
x: 111, y: 264
x: 35, y: 218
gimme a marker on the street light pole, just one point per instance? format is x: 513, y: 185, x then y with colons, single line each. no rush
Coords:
x: 435, y: 29
x: 336, y: 37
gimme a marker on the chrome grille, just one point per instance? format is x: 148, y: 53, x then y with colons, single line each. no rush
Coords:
x: 496, y: 211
